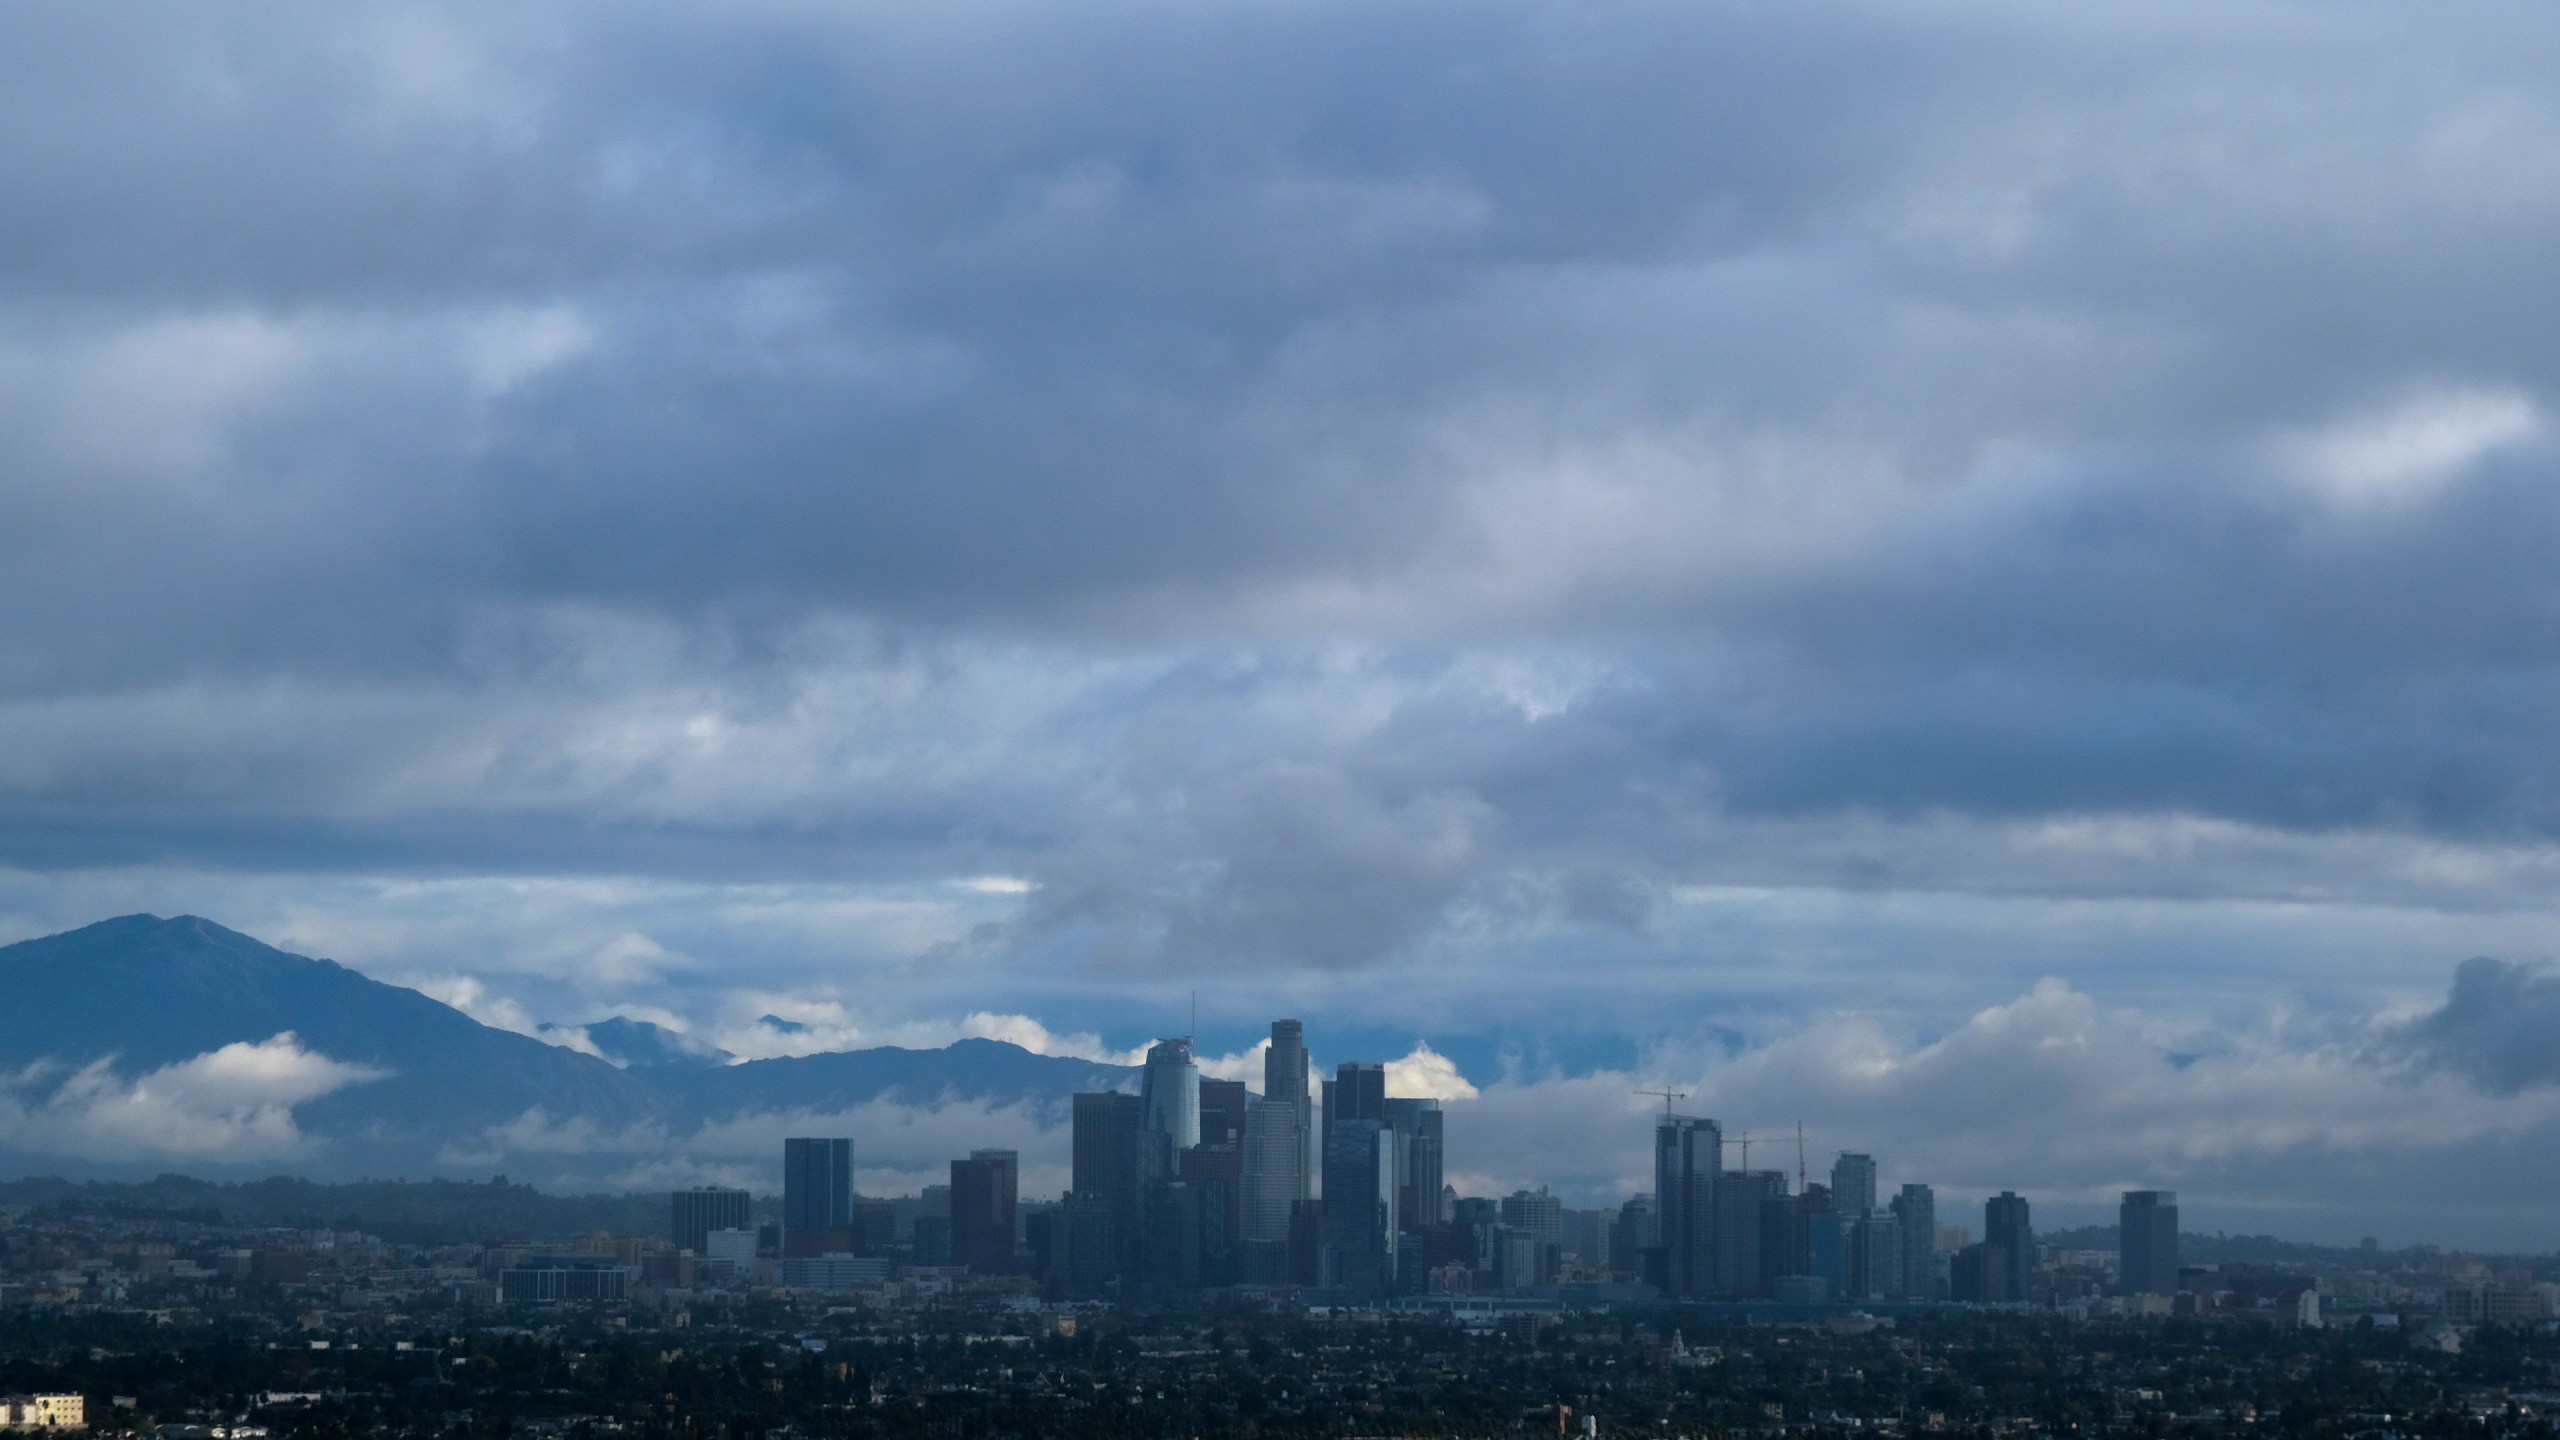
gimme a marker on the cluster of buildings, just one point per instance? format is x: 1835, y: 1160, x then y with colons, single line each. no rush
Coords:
x: 1336, y: 1187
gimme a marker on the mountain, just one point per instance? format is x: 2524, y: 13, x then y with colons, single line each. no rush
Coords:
x: 113, y: 1064
x: 640, y: 1045
x: 985, y: 1071
x: 142, y: 993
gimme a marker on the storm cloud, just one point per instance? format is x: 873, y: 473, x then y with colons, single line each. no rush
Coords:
x: 1476, y: 518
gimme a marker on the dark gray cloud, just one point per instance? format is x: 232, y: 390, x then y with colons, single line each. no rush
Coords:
x: 1295, y: 486
x: 2500, y: 1026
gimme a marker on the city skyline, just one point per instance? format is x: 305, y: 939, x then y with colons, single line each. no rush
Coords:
x: 1973, y: 576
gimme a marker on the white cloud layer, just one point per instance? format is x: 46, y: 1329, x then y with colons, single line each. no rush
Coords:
x: 228, y: 1106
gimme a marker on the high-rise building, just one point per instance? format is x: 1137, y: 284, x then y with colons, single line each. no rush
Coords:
x: 1169, y: 1093
x: 705, y: 1208
x: 1274, y: 1154
x: 1106, y: 1129
x: 1688, y: 1155
x: 1536, y: 1212
x: 1853, y: 1183
x: 1418, y: 1125
x: 982, y: 1210
x: 1360, y: 1206
x: 1633, y: 1236
x: 1875, y: 1257
x: 1222, y: 1105
x: 1739, y: 1207
x: 2011, y: 1236
x: 1356, y: 1092
x: 2147, y: 1243
x: 817, y: 1187
x: 1826, y: 1241
x: 1285, y: 1082
x: 1917, y: 1208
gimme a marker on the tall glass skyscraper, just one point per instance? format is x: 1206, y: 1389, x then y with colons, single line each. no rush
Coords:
x: 817, y: 1185
x: 2147, y: 1243
x: 1285, y: 1081
x: 1688, y: 1156
x: 2011, y: 1235
x: 1917, y: 1208
x: 1169, y: 1092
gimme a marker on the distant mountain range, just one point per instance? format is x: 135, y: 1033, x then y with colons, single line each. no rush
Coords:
x: 140, y: 1044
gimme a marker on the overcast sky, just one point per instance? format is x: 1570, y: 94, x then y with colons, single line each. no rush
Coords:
x: 1981, y: 575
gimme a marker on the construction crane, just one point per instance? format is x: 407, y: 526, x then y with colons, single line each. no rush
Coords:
x: 1667, y: 1097
x: 1744, y: 1140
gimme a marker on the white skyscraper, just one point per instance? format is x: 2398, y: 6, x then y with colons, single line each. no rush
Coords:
x: 1169, y: 1093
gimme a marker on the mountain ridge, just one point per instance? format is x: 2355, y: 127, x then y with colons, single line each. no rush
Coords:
x: 138, y: 1042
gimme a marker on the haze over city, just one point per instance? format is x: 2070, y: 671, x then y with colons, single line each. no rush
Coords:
x: 1974, y: 578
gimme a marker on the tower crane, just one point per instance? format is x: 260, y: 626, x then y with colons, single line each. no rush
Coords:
x: 1667, y: 1097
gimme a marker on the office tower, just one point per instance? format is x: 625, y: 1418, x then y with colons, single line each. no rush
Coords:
x: 1784, y: 1248
x: 817, y: 1190
x: 1418, y: 1125
x: 1222, y: 1105
x: 1360, y: 1205
x: 1285, y: 1082
x: 1274, y: 1150
x: 1917, y: 1208
x: 1215, y: 1176
x: 2147, y: 1243
x: 1826, y: 1241
x: 705, y: 1208
x: 1105, y: 1148
x: 1536, y: 1212
x: 1356, y: 1092
x: 1875, y: 1257
x: 1169, y: 1093
x: 1739, y: 1197
x: 1084, y: 1246
x: 1688, y: 1154
x: 1853, y: 1184
x: 1633, y: 1236
x: 982, y: 1210
x: 2012, y: 1238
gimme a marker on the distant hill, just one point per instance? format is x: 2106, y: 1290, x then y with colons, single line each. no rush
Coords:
x: 639, y: 1045
x: 92, y: 1020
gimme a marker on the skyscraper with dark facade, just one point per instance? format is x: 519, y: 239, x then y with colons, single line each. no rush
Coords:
x: 1360, y: 1206
x: 1285, y: 1081
x: 1222, y: 1106
x: 982, y: 1210
x: 817, y: 1189
x: 2147, y: 1243
x: 1917, y: 1208
x: 2007, y: 1230
x: 1419, y: 1130
x: 1739, y: 1207
x: 1688, y: 1155
x: 695, y: 1213
x: 1356, y: 1092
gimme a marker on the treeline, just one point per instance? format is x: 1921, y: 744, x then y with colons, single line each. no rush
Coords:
x: 413, y: 1212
